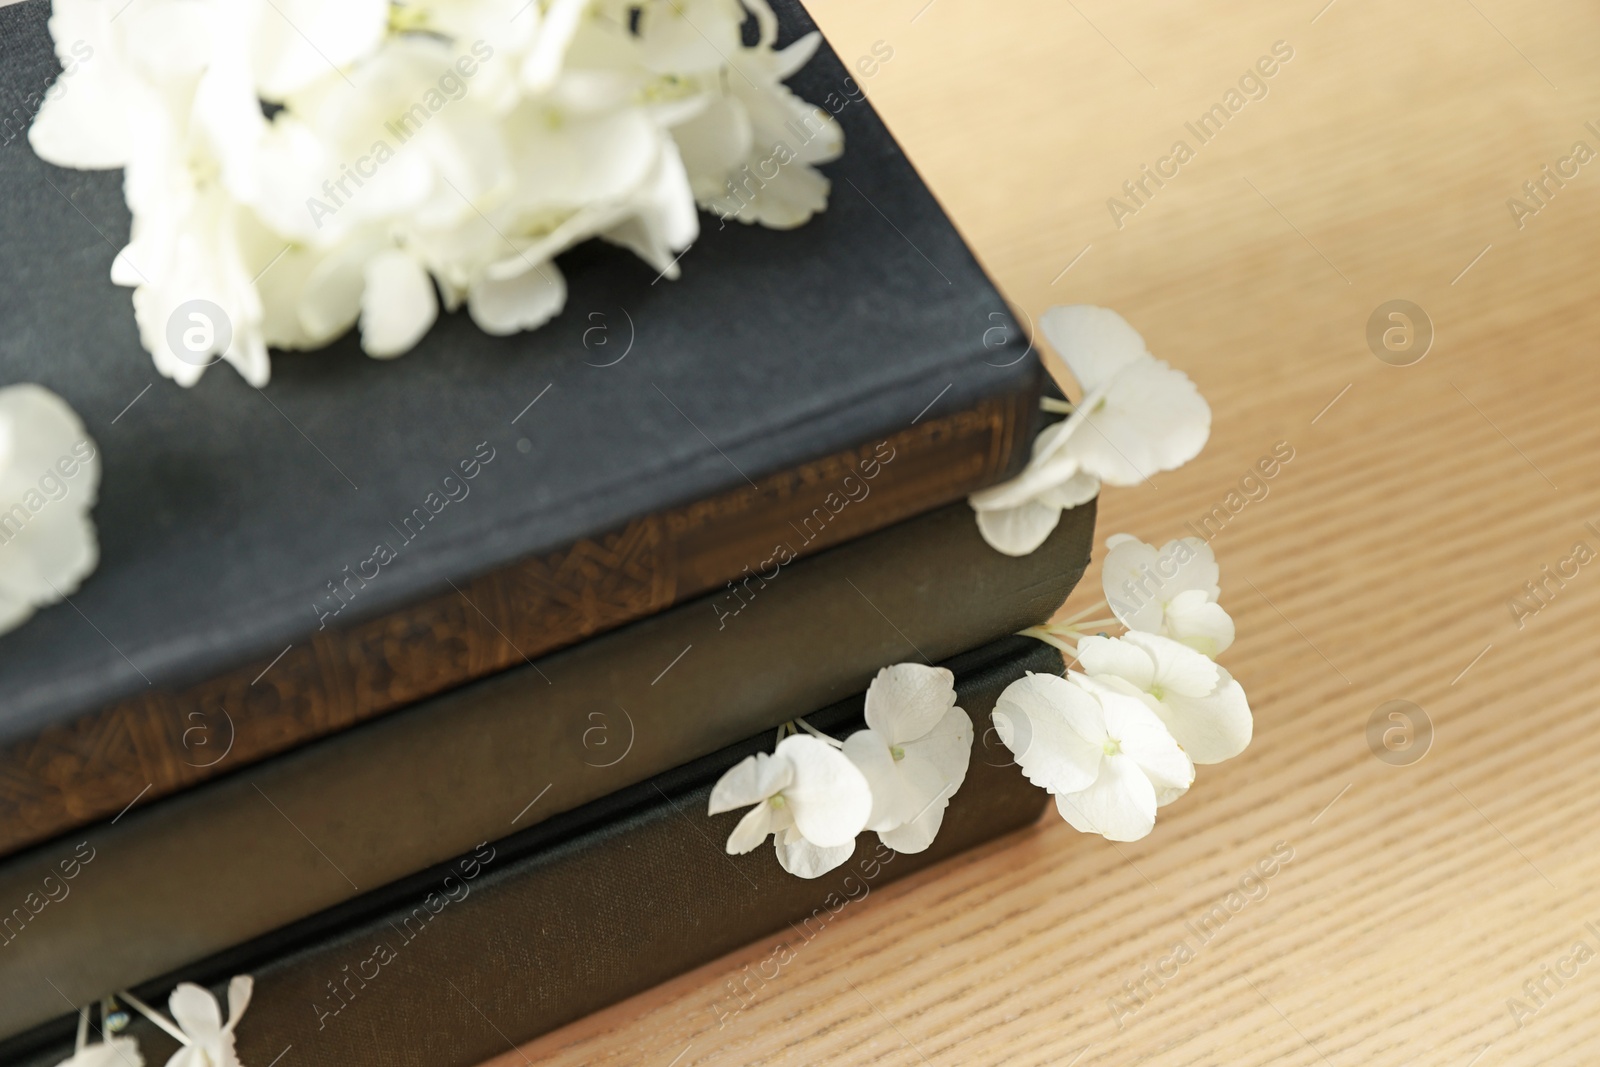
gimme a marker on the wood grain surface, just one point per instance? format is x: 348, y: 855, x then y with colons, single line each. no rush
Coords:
x: 1432, y: 907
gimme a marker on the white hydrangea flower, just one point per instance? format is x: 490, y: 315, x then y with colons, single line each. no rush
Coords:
x: 210, y: 1040
x: 296, y: 44
x: 914, y: 752
x: 1171, y: 591
x: 808, y: 796
x: 1138, y: 416
x: 113, y: 1052
x: 1016, y: 516
x: 170, y: 98
x: 1202, y: 706
x: 1104, y: 755
x: 91, y: 127
x: 457, y: 144
x: 751, y: 153
x: 49, y: 477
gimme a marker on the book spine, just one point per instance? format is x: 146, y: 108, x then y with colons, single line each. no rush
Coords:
x: 143, y: 748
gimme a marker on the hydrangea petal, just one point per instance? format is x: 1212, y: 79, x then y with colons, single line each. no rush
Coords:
x: 869, y: 751
x: 1197, y: 566
x: 240, y: 988
x: 1142, y: 737
x: 664, y: 221
x: 1200, y: 623
x: 113, y: 1052
x: 398, y: 304
x: 524, y: 302
x: 1094, y: 342
x: 83, y: 120
x: 689, y: 36
x: 924, y: 784
x: 916, y: 787
x: 329, y: 302
x: 1151, y: 419
x: 1132, y: 583
x: 1212, y: 728
x: 906, y: 701
x: 807, y: 859
x: 196, y: 1011
x: 917, y: 834
x: 47, y: 546
x: 750, y: 781
x: 1047, y: 467
x: 931, y: 788
x: 561, y: 23
x: 1178, y: 668
x: 76, y: 128
x: 1018, y: 531
x: 296, y: 41
x: 828, y: 796
x: 1116, y: 656
x: 1055, y: 730
x: 714, y: 143
x: 786, y: 202
x: 947, y: 747
x: 789, y: 60
x: 1139, y: 580
x: 49, y: 558
x: 1081, y: 488
x: 37, y: 428
x: 1120, y: 804
x: 766, y: 22
x: 751, y: 830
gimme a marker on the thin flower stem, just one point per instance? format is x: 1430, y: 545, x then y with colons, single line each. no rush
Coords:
x: 156, y: 1017
x: 1041, y: 634
x: 1058, y: 407
x: 818, y: 734
x: 1086, y: 611
x: 1080, y: 626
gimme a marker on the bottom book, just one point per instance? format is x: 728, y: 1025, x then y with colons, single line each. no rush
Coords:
x: 527, y: 933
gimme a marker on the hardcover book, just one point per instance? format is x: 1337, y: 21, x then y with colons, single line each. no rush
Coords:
x: 515, y: 937
x: 361, y: 535
x: 232, y: 860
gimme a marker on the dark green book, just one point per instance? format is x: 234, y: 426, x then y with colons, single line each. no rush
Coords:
x: 517, y: 937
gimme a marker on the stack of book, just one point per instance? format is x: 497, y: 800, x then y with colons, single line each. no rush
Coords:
x: 401, y: 686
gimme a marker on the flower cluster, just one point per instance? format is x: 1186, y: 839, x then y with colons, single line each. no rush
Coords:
x: 295, y: 167
x: 1137, y: 417
x: 1112, y: 741
x: 49, y: 475
x: 1119, y: 737
x: 204, y: 1040
x: 814, y: 794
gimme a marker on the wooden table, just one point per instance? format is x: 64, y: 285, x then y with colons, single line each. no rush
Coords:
x: 1427, y: 900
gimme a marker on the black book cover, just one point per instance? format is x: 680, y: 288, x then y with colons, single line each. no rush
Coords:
x: 226, y: 513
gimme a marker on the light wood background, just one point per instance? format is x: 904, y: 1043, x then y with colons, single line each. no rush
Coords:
x: 1420, y: 898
